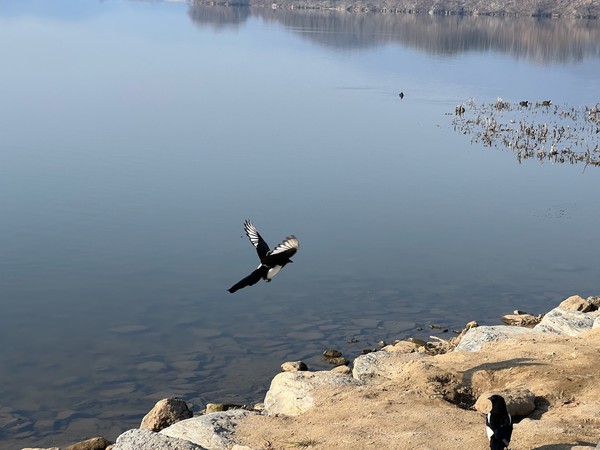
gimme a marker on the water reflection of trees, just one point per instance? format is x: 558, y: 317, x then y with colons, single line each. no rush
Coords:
x: 219, y: 16
x: 539, y: 39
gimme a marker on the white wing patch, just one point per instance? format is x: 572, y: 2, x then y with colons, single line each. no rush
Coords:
x: 290, y: 243
x: 252, y: 233
x: 488, y: 429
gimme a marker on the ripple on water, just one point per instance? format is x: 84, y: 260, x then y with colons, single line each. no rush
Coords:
x: 206, y: 332
x: 152, y: 366
x: 118, y: 390
x: 129, y: 329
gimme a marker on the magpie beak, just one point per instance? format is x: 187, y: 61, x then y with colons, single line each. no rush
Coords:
x: 271, y: 261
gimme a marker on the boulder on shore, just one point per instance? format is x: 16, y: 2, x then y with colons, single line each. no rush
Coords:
x: 139, y: 439
x: 476, y: 338
x: 292, y: 393
x: 165, y: 413
x: 211, y: 431
x: 567, y: 322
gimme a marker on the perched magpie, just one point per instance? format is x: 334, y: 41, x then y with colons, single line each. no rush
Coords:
x: 271, y: 261
x: 498, y: 424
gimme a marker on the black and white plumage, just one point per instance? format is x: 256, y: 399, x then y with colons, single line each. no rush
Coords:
x: 498, y: 424
x: 271, y: 261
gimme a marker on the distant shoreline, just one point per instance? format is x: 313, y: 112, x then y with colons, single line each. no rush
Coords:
x: 578, y: 9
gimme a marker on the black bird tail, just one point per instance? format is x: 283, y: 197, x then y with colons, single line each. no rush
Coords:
x: 250, y: 280
x: 498, y: 444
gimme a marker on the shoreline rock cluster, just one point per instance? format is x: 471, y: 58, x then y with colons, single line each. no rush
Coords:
x: 552, y: 368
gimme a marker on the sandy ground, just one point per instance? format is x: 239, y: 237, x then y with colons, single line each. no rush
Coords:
x: 409, y: 411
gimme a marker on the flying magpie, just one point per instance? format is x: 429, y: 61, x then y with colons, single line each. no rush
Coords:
x: 498, y: 424
x: 271, y: 261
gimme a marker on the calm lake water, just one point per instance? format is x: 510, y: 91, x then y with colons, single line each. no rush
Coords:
x: 137, y: 137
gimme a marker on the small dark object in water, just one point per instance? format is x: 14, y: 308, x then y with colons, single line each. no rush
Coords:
x: 546, y: 102
x: 459, y: 110
x: 401, y: 95
x: 524, y: 103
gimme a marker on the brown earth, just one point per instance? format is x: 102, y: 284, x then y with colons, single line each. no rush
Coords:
x: 408, y: 411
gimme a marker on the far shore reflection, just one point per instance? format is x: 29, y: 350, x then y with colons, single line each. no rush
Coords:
x: 536, y: 39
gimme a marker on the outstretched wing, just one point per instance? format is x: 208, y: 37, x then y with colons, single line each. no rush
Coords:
x: 283, y: 252
x: 250, y: 280
x: 262, y: 248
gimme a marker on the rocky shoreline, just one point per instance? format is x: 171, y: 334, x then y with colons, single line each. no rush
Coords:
x: 412, y: 394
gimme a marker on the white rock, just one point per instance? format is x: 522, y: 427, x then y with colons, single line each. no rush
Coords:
x: 475, y: 338
x: 566, y: 322
x: 596, y: 323
x: 292, y: 393
x: 149, y: 440
x: 211, y: 431
x: 381, y: 365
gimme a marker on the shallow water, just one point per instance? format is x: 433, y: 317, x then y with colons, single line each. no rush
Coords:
x: 138, y: 136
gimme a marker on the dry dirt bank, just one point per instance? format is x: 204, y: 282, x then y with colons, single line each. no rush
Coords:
x: 408, y: 411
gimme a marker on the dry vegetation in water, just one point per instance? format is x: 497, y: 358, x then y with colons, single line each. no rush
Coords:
x: 540, y: 130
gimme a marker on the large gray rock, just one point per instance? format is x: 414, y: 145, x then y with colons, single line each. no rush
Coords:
x: 211, y: 431
x: 165, y: 413
x: 519, y: 401
x: 476, y: 338
x: 150, y: 440
x: 378, y: 366
x: 292, y: 393
x: 566, y: 322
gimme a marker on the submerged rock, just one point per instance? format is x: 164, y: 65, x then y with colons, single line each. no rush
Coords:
x: 293, y: 366
x: 339, y: 361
